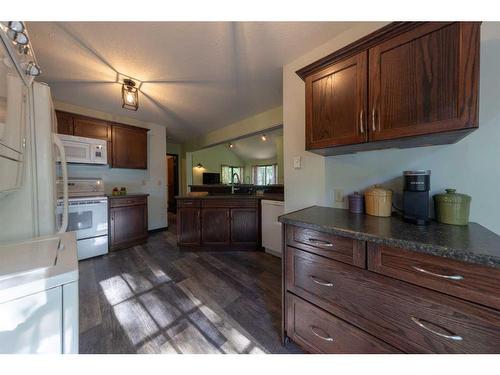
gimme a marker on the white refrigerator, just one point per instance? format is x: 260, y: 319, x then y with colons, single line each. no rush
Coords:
x: 38, y: 262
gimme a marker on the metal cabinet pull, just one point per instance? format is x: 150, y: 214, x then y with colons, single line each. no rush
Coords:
x: 320, y: 242
x: 320, y: 282
x: 373, y: 120
x: 361, y: 127
x: 422, y: 325
x: 449, y: 277
x: 326, y: 338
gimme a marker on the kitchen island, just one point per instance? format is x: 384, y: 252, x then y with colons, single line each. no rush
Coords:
x: 354, y: 283
x: 221, y: 221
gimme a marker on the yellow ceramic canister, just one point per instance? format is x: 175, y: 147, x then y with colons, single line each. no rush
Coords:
x: 378, y: 201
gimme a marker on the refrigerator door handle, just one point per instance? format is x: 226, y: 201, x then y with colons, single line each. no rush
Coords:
x: 64, y: 167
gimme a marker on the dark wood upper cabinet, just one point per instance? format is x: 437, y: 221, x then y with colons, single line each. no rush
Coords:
x: 91, y: 128
x: 64, y: 123
x: 408, y: 84
x: 130, y: 147
x: 337, y: 104
x: 425, y: 81
x: 127, y: 145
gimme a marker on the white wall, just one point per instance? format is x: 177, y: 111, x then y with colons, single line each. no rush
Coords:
x: 151, y: 181
x: 472, y: 166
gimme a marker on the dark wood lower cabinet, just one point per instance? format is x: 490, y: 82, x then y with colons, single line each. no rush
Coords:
x: 215, y: 226
x: 128, y: 221
x: 328, y: 301
x: 218, y: 222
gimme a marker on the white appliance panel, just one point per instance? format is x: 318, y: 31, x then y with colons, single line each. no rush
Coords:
x: 271, y: 227
x: 83, y: 150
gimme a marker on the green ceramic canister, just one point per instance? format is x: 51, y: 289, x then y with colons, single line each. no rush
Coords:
x: 452, y: 208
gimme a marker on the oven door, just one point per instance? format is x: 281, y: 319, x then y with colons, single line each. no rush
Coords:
x: 87, y: 217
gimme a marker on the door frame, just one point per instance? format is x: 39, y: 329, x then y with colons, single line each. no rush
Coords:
x: 176, y: 181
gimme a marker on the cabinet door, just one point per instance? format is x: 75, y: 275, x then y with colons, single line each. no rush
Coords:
x: 336, y: 100
x: 188, y: 226
x: 425, y: 81
x: 90, y: 128
x: 130, y: 147
x: 64, y: 123
x: 215, y: 226
x: 128, y: 224
x: 244, y: 226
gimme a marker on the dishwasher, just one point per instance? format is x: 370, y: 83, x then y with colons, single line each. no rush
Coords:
x: 271, y: 227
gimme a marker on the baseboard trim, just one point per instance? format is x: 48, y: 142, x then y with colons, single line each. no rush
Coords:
x: 162, y: 229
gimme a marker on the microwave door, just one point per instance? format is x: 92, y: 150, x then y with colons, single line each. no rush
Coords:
x: 77, y: 152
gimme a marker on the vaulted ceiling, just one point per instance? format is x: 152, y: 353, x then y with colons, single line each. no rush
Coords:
x: 197, y: 76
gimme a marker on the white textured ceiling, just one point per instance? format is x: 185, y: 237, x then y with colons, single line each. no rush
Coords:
x: 198, y: 76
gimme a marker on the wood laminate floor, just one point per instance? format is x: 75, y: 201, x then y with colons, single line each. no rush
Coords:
x: 154, y: 298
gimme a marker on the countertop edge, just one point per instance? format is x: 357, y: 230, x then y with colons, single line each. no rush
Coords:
x: 419, y: 247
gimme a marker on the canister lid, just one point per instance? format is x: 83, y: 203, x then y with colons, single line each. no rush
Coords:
x: 379, y: 191
x: 451, y: 196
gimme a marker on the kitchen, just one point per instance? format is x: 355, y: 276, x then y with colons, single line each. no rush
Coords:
x: 351, y: 215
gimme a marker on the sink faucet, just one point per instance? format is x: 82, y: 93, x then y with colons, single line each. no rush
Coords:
x: 232, y: 181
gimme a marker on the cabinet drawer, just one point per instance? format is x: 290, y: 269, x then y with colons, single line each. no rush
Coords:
x: 127, y: 201
x: 342, y: 249
x: 468, y: 281
x: 411, y: 318
x: 320, y: 332
x: 188, y: 203
x: 229, y: 202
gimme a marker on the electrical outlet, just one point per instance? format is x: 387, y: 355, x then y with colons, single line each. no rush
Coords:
x: 338, y: 195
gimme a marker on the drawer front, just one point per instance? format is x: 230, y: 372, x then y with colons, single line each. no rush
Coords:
x: 468, y: 281
x: 229, y: 203
x: 127, y: 201
x: 342, y: 249
x: 320, y: 332
x: 188, y: 203
x: 411, y: 318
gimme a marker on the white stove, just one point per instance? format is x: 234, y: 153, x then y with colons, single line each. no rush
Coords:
x: 87, y: 216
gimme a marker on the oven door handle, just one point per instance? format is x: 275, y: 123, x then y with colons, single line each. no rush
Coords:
x: 64, y: 166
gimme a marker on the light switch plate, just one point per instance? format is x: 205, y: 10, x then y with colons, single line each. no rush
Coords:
x: 297, y: 163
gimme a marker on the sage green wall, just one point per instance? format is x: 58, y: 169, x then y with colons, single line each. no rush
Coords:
x: 471, y: 166
x: 212, y: 158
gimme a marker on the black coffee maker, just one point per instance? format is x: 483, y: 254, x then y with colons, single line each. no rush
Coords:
x: 416, y: 197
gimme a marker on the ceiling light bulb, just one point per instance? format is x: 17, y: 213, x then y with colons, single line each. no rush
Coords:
x: 130, y: 98
x: 263, y: 137
x: 231, y: 145
x: 17, y: 26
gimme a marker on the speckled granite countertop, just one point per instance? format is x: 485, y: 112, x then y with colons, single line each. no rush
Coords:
x: 473, y: 243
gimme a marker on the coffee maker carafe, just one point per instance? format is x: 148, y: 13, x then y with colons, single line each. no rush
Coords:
x: 416, y: 197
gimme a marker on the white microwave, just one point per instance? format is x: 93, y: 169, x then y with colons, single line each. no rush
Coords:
x: 84, y: 150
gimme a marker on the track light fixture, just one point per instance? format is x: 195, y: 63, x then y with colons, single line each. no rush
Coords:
x: 263, y: 137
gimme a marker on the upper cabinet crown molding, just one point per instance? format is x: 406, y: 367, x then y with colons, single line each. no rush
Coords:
x: 408, y: 84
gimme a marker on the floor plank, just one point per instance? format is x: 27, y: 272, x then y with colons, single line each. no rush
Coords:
x: 154, y: 298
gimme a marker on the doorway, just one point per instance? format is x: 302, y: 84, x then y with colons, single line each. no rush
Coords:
x: 172, y: 181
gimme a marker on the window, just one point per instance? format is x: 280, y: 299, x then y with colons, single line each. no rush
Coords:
x: 227, y: 173
x: 265, y: 174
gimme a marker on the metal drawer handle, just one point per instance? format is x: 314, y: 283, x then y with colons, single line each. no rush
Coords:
x: 449, y: 277
x: 361, y: 127
x: 326, y: 338
x: 373, y: 120
x: 320, y: 242
x: 321, y: 282
x: 450, y: 337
